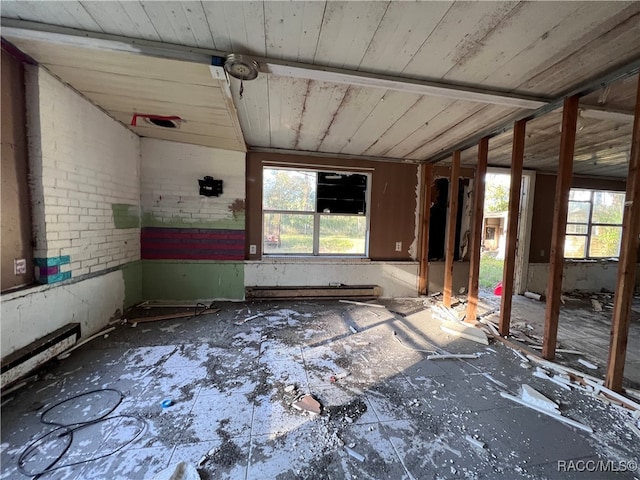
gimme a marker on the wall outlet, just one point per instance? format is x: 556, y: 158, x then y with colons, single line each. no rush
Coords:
x: 542, y: 253
x: 398, y: 246
x: 252, y: 249
x: 19, y: 266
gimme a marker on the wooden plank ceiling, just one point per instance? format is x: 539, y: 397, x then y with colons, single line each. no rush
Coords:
x: 534, y: 48
x: 123, y: 84
x: 602, y: 144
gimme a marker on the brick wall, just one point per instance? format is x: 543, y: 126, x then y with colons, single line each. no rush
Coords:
x: 170, y: 192
x: 192, y: 245
x: 85, y: 171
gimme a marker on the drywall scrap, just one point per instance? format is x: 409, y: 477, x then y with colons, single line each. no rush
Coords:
x: 536, y: 401
x: 307, y: 403
x: 470, y: 333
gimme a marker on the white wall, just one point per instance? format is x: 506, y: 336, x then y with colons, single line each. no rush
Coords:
x: 397, y: 279
x: 30, y: 314
x: 169, y: 183
x: 82, y: 163
x: 587, y: 276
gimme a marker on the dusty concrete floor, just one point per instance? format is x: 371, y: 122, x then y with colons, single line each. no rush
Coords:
x: 406, y: 415
x: 580, y: 328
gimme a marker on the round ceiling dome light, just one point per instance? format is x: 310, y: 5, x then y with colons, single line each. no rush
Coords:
x: 241, y: 66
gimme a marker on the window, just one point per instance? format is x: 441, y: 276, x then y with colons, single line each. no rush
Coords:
x: 594, y: 224
x: 308, y: 212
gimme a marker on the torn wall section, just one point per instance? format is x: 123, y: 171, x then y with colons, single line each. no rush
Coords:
x: 192, y: 245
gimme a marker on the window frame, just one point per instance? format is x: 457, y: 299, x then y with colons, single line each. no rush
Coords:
x: 590, y: 224
x: 318, y: 215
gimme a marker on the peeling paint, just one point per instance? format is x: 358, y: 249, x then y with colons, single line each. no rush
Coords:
x: 413, y: 248
x: 230, y: 223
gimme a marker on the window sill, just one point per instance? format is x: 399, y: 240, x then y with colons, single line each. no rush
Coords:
x: 326, y: 260
x: 579, y: 261
x: 311, y: 259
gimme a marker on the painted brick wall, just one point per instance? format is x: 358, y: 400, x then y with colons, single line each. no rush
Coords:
x: 170, y: 192
x: 85, y: 174
x: 191, y: 243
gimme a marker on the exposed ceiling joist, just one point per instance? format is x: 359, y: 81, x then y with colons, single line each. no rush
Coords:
x: 69, y: 36
x: 590, y: 86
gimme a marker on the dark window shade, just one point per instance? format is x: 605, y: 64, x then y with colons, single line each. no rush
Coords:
x: 341, y: 193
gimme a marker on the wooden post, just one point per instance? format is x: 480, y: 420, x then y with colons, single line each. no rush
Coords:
x: 427, y: 180
x: 517, y: 159
x: 476, y: 229
x: 556, y: 264
x: 450, y: 251
x: 627, y: 262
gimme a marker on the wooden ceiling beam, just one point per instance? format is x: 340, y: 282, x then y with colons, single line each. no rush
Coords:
x: 21, y: 29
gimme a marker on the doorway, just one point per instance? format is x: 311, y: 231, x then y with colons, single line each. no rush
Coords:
x: 494, y: 229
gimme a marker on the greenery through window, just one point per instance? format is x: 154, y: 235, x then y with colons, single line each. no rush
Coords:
x: 594, y: 224
x: 308, y: 212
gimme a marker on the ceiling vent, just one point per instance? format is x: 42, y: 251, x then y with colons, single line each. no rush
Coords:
x: 163, y: 121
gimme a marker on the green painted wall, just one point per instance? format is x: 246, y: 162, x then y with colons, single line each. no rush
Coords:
x: 125, y: 215
x: 192, y: 280
x: 132, y: 275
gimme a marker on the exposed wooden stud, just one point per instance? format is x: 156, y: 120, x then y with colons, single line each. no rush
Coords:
x: 476, y: 229
x: 450, y: 250
x: 626, y: 263
x: 517, y: 160
x: 427, y: 180
x: 556, y: 264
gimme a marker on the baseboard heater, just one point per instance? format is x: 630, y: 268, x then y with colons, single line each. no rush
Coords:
x: 23, y: 361
x: 355, y: 292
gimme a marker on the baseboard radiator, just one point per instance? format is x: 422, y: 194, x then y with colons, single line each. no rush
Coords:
x: 23, y: 361
x: 354, y: 292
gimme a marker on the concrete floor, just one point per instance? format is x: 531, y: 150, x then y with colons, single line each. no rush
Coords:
x: 407, y: 416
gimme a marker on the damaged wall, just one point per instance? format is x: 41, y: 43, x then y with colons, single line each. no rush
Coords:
x: 192, y: 246
x: 578, y: 274
x: 392, y: 212
x: 589, y: 276
x: 397, y: 279
x: 84, y: 177
x: 392, y: 215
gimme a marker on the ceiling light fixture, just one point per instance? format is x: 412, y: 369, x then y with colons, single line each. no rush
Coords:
x: 241, y: 67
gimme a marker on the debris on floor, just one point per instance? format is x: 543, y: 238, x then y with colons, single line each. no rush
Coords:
x: 597, y: 306
x: 475, y: 442
x: 453, y: 356
x: 181, y: 471
x: 533, y: 296
x: 399, y: 414
x: 352, y: 302
x: 470, y: 333
x: 587, y: 364
x: 67, y: 352
x: 307, y: 403
x: 545, y: 409
x: 354, y: 454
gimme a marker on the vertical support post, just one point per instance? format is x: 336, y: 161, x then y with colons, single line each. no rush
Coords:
x: 450, y: 251
x: 556, y: 265
x: 427, y: 180
x: 627, y: 262
x: 476, y: 228
x: 517, y: 160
